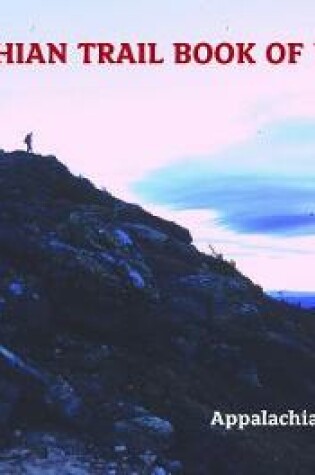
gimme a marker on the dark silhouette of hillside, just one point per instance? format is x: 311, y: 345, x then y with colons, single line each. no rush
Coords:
x: 119, y: 339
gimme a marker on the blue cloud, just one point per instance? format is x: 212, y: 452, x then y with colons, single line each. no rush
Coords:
x: 273, y: 195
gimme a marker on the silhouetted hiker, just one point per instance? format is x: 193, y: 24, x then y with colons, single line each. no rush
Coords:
x: 29, y: 142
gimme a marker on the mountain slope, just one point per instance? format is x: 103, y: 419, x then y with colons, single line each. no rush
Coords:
x: 118, y: 334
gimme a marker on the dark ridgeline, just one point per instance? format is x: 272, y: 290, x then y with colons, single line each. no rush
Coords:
x: 120, y: 338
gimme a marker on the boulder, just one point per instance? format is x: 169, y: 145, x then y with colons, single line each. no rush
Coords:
x: 145, y: 430
x: 130, y: 213
x: 53, y: 394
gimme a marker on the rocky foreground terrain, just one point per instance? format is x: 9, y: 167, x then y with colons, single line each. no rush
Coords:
x: 119, y: 340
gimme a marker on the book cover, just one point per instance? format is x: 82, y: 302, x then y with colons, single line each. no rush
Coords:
x: 157, y: 218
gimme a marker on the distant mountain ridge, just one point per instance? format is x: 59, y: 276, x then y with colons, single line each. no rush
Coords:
x: 302, y: 299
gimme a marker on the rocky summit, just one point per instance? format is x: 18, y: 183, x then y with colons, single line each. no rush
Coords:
x: 120, y: 340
